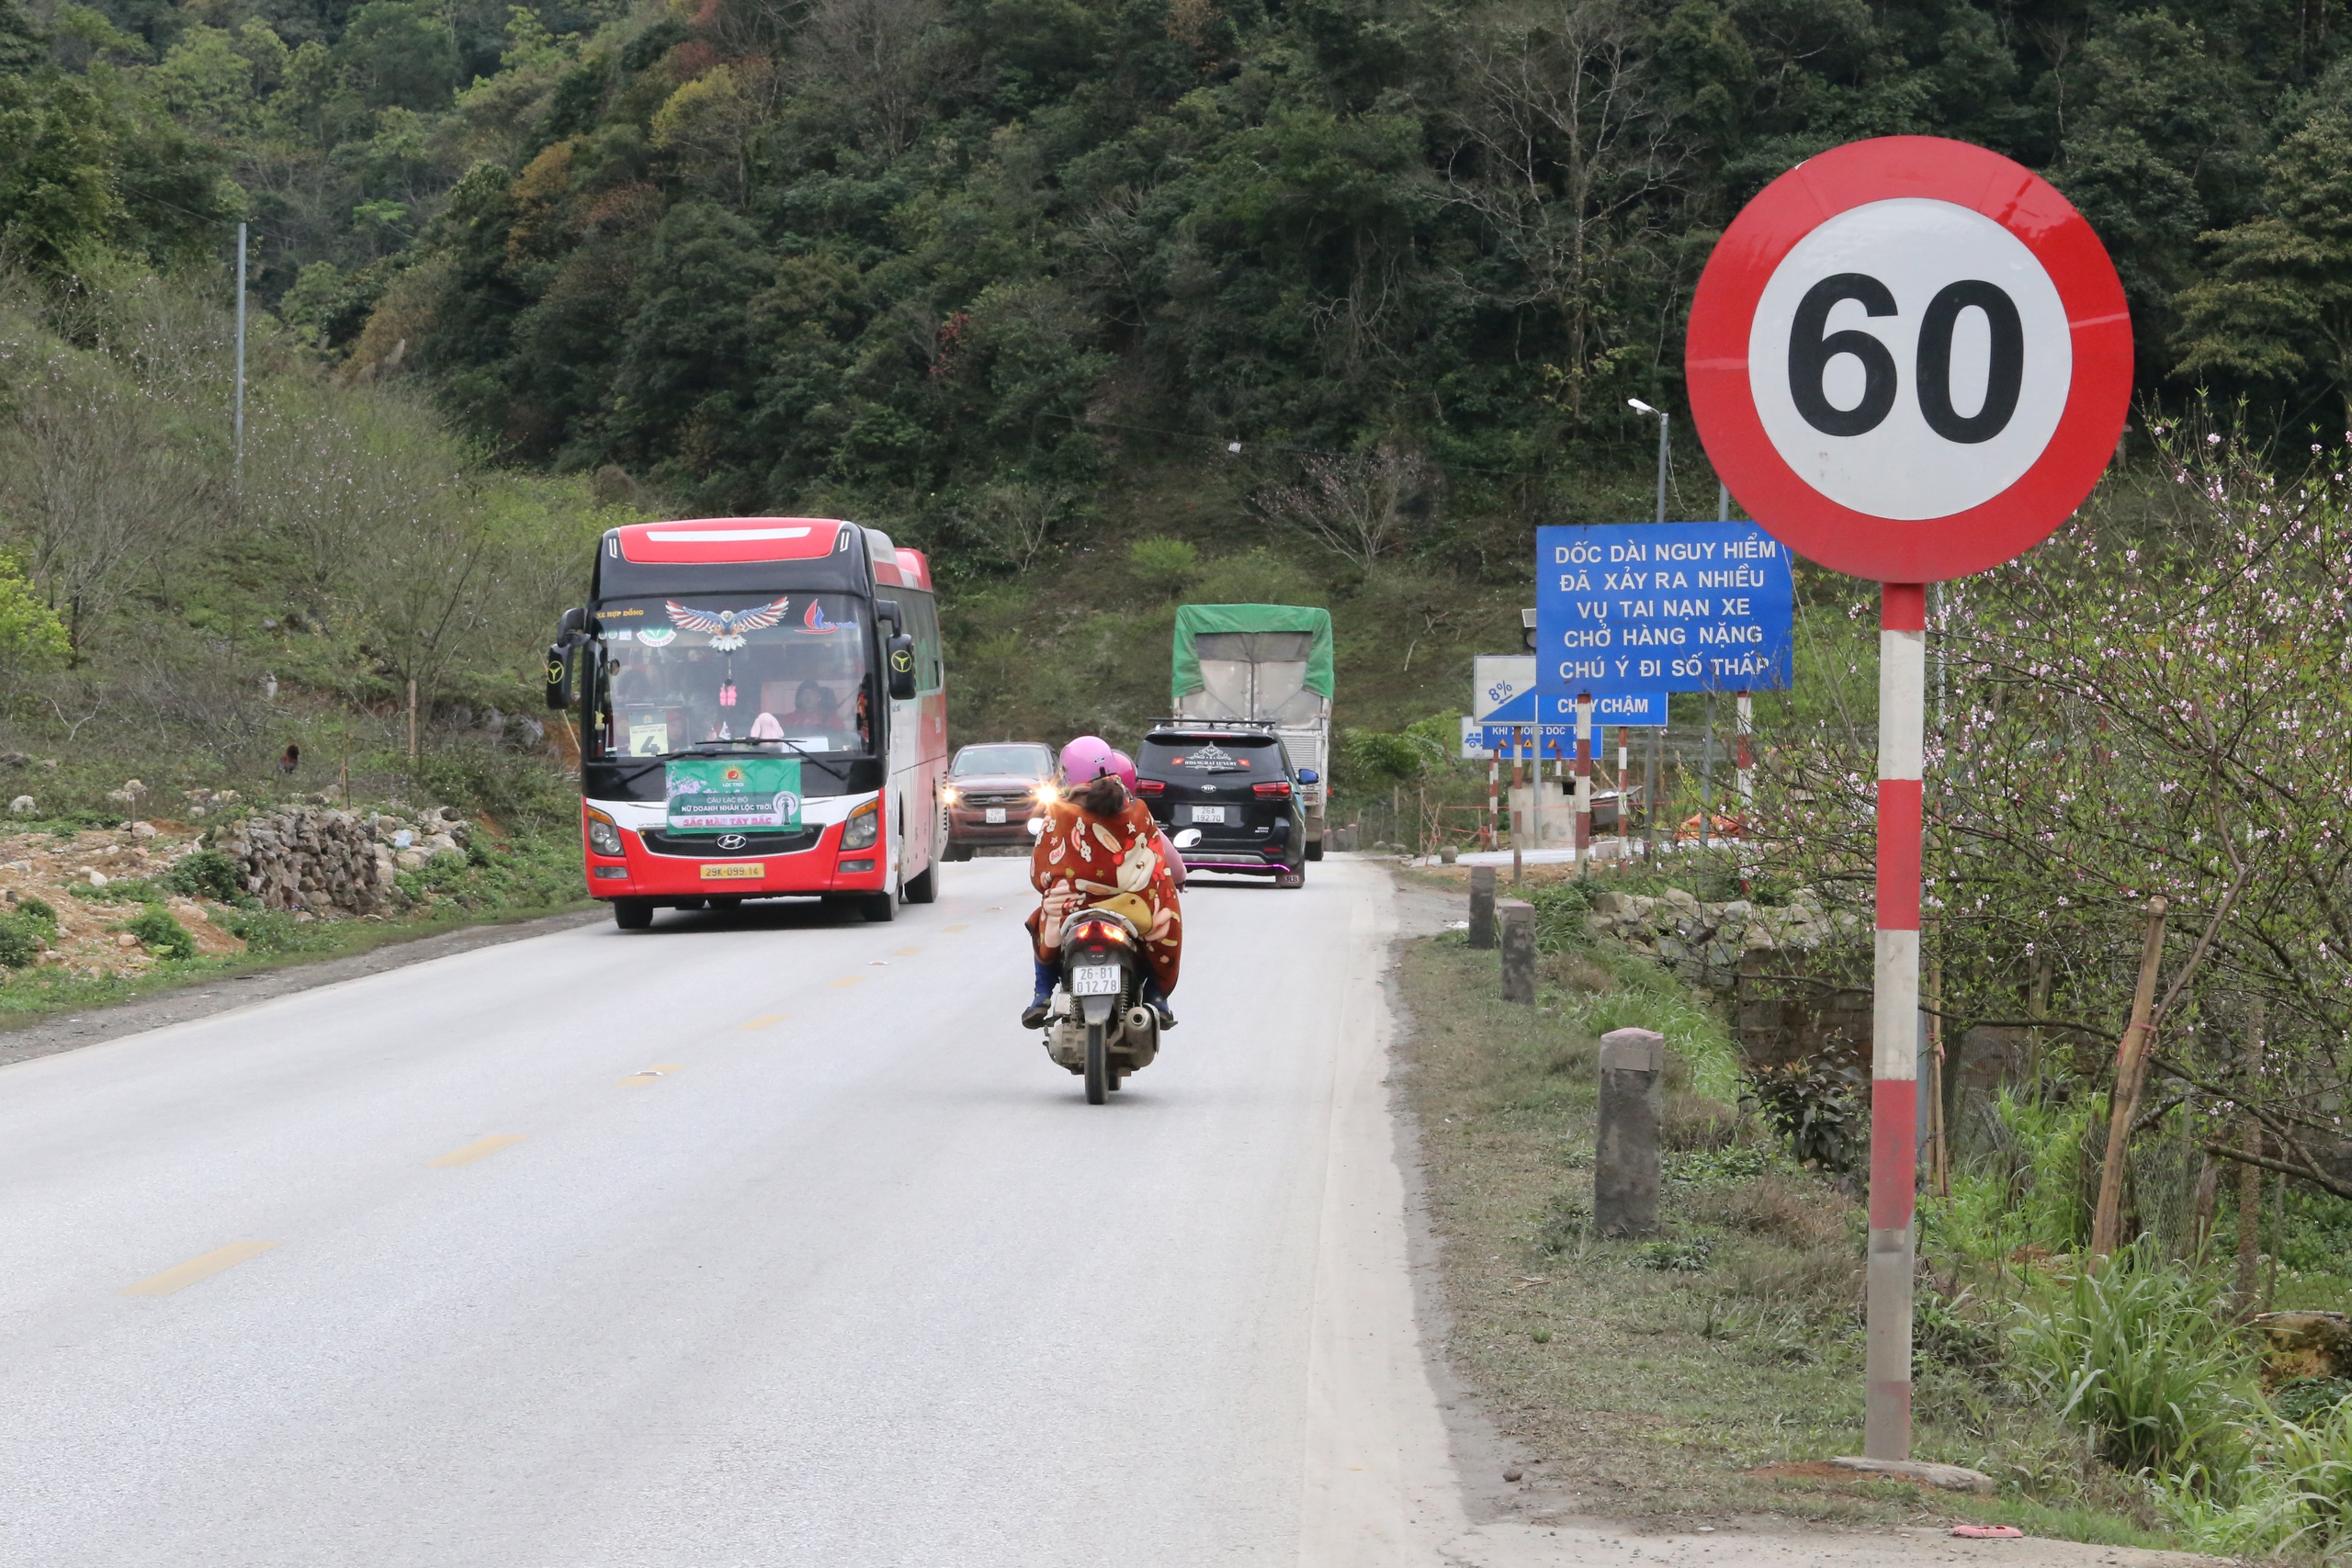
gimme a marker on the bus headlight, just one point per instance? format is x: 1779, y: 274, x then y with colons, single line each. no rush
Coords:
x: 603, y: 837
x: 865, y: 826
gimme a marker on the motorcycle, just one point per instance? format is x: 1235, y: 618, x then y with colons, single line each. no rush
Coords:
x: 1098, y: 1025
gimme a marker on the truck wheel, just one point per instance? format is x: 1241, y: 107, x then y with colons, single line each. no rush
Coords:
x: 924, y: 889
x: 1314, y: 848
x: 632, y: 914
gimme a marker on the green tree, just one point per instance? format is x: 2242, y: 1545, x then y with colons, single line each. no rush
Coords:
x: 2277, y: 313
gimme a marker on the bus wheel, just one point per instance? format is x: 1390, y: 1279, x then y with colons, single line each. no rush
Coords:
x: 632, y: 914
x: 879, y: 907
x: 925, y: 889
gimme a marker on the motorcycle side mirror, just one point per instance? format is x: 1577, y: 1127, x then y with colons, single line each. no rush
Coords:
x: 902, y: 668
x: 1188, y: 838
x: 1308, y: 775
x: 1036, y: 827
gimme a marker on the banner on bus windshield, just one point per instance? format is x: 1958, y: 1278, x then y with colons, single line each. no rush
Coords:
x: 722, y: 795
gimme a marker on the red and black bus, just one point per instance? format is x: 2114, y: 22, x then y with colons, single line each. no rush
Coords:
x: 763, y: 712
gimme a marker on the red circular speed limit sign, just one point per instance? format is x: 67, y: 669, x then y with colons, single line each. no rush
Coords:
x: 1909, y: 358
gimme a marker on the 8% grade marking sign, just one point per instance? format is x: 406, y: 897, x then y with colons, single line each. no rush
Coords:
x: 1909, y: 359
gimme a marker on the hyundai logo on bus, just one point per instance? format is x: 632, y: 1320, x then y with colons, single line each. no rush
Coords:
x: 1661, y: 607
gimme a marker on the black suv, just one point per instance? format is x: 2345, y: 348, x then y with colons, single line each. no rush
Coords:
x: 1233, y: 782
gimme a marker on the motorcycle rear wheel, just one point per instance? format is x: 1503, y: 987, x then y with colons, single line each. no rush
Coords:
x: 1098, y: 1066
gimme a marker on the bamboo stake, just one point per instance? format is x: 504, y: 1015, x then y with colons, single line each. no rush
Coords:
x: 2131, y: 1066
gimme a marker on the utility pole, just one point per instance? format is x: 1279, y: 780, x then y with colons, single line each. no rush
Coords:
x: 238, y: 461
x: 1660, y: 414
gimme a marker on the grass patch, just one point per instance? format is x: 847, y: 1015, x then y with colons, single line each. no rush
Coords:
x: 524, y: 875
x: 1673, y: 1375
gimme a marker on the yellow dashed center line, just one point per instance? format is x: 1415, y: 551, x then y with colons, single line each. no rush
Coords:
x: 479, y: 1148
x: 765, y: 1019
x: 906, y: 952
x: 196, y: 1270
x: 844, y: 983
x: 951, y: 931
x: 653, y: 1073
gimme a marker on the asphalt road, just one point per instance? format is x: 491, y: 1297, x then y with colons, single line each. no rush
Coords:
x: 768, y: 1239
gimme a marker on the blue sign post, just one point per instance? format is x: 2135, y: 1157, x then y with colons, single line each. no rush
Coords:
x: 1661, y: 607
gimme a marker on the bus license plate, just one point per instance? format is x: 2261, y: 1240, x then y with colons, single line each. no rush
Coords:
x: 751, y: 870
x: 1208, y: 814
x: 996, y: 813
x: 1094, y: 980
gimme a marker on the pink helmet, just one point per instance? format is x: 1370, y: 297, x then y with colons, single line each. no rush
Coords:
x: 1084, y: 759
x: 1122, y: 768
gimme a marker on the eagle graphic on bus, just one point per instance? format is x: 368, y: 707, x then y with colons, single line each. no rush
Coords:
x: 726, y: 626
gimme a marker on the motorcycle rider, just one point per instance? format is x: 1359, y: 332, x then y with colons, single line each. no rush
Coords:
x: 1100, y: 845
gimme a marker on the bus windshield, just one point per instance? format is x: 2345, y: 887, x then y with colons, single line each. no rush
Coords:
x: 734, y: 666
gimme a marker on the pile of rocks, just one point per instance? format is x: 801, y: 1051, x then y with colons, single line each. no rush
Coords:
x: 1675, y: 927
x: 406, y: 840
x: 309, y: 858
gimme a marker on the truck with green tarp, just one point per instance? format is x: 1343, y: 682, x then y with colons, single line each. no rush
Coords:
x: 1263, y: 664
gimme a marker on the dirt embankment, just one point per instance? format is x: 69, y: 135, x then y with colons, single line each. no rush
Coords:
x: 65, y: 871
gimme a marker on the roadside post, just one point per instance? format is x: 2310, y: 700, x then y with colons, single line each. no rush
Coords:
x: 1970, y: 395
x: 1482, y: 906
x: 1517, y: 917
x: 1626, y: 1167
x: 1516, y: 856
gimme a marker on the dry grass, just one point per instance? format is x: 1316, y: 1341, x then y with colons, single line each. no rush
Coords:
x: 1663, y: 1378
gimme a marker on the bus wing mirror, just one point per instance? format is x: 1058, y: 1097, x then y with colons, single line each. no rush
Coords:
x: 558, y: 677
x: 901, y: 657
x: 887, y: 610
x: 574, y: 622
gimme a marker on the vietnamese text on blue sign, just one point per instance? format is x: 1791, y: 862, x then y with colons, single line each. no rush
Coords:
x: 1662, y: 606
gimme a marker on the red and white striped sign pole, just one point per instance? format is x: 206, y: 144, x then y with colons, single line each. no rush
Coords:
x: 1584, y: 782
x: 1894, y: 1021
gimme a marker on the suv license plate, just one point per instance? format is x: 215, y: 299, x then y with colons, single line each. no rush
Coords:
x: 996, y: 813
x: 1094, y: 980
x: 1208, y: 814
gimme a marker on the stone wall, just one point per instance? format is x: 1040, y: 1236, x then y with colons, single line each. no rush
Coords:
x: 308, y: 858
x: 1675, y: 927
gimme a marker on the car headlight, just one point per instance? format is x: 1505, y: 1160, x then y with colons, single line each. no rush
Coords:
x: 864, y: 826
x: 603, y: 837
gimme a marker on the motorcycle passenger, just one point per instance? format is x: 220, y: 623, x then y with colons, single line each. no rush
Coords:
x: 1100, y: 847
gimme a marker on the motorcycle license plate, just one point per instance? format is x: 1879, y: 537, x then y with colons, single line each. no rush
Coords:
x: 996, y: 813
x: 1094, y: 980
x: 1208, y: 814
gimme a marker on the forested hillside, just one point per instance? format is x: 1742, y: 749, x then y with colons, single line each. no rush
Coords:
x: 1337, y: 295
x: 954, y: 261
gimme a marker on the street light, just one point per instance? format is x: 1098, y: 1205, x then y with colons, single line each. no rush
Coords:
x: 1660, y: 414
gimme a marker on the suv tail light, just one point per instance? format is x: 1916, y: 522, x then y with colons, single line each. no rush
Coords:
x: 1150, y: 786
x: 1276, y: 789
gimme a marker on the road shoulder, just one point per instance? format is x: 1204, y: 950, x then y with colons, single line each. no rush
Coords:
x: 211, y: 995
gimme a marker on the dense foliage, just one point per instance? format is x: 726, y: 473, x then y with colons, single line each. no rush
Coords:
x: 951, y: 260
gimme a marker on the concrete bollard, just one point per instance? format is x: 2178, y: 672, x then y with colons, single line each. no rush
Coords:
x: 1626, y: 1175
x: 1482, y: 906
x: 1518, y: 916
